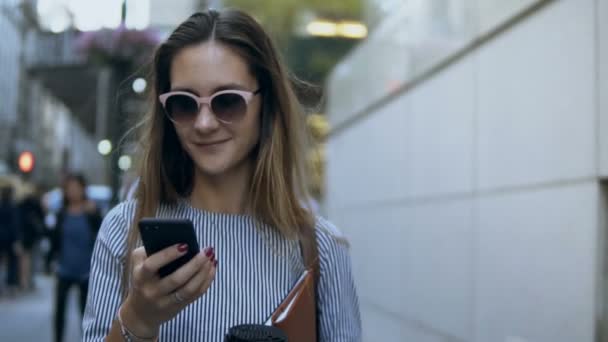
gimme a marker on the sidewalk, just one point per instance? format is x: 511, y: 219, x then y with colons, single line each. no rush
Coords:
x: 29, y: 318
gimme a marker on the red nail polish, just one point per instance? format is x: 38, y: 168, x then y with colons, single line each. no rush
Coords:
x: 182, y: 247
x: 209, y: 252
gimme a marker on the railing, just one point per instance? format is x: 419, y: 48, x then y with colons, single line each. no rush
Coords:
x: 44, y: 50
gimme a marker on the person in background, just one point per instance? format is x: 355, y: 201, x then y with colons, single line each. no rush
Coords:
x: 72, y: 243
x: 222, y: 148
x: 32, y: 229
x: 10, y: 245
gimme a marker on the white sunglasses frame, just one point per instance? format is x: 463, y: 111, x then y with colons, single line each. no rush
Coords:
x: 201, y: 101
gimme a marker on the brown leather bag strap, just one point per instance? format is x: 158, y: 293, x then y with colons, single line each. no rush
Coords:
x: 310, y: 252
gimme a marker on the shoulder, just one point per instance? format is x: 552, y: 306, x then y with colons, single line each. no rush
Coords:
x: 121, y: 213
x: 330, y: 239
x: 115, y: 227
x: 328, y: 231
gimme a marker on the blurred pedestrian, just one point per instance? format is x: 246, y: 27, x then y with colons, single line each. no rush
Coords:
x: 32, y: 229
x: 72, y: 246
x: 10, y: 246
x: 222, y: 147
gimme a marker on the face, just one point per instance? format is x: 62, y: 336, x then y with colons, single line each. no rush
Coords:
x: 216, y: 145
x: 74, y: 191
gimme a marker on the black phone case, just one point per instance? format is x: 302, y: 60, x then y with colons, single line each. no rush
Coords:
x: 158, y: 234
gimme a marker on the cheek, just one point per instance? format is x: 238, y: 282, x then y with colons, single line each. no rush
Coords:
x: 251, y: 130
x: 247, y: 131
x: 255, y: 123
x: 181, y: 134
x: 255, y: 127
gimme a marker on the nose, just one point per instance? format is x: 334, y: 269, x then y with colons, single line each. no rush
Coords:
x: 206, y: 120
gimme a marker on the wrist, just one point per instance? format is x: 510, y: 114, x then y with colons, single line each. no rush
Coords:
x: 133, y: 324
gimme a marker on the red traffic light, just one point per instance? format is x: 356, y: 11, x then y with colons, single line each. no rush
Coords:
x: 26, y: 162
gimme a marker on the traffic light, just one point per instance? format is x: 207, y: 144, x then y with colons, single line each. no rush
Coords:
x: 26, y: 162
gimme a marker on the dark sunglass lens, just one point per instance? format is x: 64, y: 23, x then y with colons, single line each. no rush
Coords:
x: 181, y: 107
x: 229, y: 107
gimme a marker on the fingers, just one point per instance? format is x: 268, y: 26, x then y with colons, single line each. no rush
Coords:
x: 191, y: 280
x: 199, y: 283
x: 138, y: 255
x: 154, y: 262
x: 195, y: 287
x: 183, y: 274
x: 207, y: 281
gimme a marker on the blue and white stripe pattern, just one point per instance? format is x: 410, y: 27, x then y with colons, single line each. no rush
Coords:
x: 257, y: 268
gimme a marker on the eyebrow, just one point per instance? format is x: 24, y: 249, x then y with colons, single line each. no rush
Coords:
x: 228, y: 86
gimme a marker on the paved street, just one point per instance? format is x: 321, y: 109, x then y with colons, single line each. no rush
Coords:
x: 28, y: 318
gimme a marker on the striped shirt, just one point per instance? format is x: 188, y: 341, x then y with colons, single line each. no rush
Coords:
x: 257, y: 269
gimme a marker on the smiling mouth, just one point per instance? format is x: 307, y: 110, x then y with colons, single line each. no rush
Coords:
x: 212, y: 143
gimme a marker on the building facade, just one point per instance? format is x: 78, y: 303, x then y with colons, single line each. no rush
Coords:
x: 32, y: 117
x: 473, y: 192
x: 9, y: 86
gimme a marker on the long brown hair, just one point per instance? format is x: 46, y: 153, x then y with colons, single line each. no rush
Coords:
x: 278, y: 181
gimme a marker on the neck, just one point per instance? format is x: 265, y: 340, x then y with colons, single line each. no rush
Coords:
x: 225, y: 193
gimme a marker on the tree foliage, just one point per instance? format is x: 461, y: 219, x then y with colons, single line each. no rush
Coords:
x: 279, y: 16
x: 311, y: 58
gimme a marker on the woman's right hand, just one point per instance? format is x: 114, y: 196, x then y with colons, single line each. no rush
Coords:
x: 153, y: 300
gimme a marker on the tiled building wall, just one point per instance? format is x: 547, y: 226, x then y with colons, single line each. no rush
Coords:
x: 472, y: 202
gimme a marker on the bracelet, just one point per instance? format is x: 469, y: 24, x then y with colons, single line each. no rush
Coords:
x: 128, y: 335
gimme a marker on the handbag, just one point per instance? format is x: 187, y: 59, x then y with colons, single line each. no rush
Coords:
x: 297, y: 316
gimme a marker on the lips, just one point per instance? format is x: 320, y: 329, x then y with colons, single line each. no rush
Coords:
x: 210, y: 143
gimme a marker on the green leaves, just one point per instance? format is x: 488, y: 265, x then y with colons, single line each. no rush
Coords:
x: 310, y: 58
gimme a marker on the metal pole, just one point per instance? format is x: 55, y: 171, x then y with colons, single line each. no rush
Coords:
x: 102, y: 115
x: 103, y: 87
x: 123, y: 16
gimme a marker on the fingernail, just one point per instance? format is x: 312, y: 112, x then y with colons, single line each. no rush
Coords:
x: 182, y: 247
x: 209, y: 252
x: 212, y: 257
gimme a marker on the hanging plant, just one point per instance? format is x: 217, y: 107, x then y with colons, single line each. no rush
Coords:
x: 117, y: 46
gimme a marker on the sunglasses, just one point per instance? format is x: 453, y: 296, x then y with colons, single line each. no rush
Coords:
x: 228, y: 106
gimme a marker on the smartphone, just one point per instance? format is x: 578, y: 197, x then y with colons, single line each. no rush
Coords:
x: 160, y: 233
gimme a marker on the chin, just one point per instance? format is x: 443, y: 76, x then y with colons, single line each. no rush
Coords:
x: 212, y: 168
x: 217, y: 164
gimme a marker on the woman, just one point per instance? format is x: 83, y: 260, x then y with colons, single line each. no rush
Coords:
x: 220, y: 148
x: 72, y: 243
